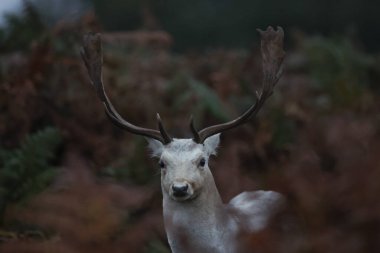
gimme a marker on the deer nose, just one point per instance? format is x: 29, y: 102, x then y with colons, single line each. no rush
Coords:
x: 180, y: 190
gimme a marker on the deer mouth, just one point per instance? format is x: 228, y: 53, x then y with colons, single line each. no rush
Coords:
x: 181, y: 196
x: 181, y: 191
x: 184, y: 196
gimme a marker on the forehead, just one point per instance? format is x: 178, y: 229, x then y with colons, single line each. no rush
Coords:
x: 183, y: 148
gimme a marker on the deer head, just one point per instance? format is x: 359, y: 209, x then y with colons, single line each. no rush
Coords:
x: 184, y: 165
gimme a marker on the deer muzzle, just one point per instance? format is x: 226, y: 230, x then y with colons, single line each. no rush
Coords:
x: 181, y: 191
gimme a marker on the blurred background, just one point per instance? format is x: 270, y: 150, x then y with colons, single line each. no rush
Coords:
x: 70, y: 181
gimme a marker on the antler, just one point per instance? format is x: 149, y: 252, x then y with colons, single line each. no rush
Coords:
x: 273, y: 56
x: 93, y: 59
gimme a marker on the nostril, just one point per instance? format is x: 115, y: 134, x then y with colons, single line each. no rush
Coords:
x: 180, y: 190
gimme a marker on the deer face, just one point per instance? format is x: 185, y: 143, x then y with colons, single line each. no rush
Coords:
x: 184, y: 166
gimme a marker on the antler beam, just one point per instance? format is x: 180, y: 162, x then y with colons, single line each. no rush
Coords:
x: 93, y: 58
x: 273, y: 56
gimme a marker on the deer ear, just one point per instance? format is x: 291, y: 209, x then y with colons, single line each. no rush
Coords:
x: 211, y: 144
x: 155, y: 146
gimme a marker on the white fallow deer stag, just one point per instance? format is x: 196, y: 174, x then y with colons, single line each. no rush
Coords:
x: 196, y: 220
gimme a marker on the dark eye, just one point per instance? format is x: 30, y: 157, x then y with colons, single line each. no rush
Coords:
x: 202, y: 162
x: 161, y: 164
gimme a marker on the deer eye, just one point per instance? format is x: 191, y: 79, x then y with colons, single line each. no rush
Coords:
x: 202, y: 162
x: 161, y: 164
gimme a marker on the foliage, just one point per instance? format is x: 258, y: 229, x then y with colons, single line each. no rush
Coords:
x: 231, y: 23
x: 340, y: 69
x: 156, y: 247
x: 28, y: 170
x: 21, y: 30
x: 189, y: 89
x: 131, y: 168
x: 284, y: 130
x: 316, y: 140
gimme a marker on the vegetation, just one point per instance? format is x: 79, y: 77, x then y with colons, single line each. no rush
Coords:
x: 27, y: 171
x: 231, y: 23
x: 72, y: 182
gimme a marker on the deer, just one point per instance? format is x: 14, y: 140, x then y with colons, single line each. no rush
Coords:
x: 195, y: 218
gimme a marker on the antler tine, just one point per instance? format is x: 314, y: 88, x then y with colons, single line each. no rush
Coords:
x: 196, y: 136
x: 93, y: 59
x: 164, y: 134
x: 273, y: 56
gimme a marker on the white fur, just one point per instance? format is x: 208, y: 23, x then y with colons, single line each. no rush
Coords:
x: 211, y: 144
x: 256, y: 208
x: 199, y: 221
x: 155, y: 147
x: 178, y: 145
